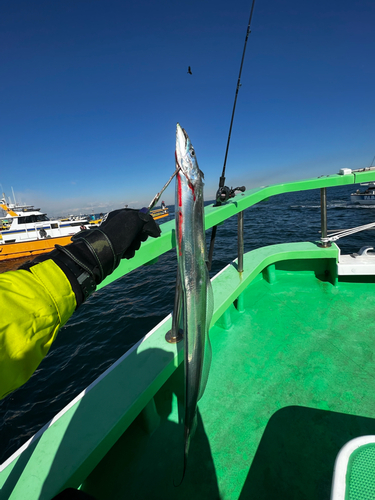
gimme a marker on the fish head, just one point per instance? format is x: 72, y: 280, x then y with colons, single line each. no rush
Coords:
x: 186, y: 159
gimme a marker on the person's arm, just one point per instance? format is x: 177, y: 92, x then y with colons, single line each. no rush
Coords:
x: 35, y: 305
x: 40, y: 297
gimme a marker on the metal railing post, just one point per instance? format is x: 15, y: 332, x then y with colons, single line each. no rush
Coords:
x: 240, y: 241
x: 323, y: 215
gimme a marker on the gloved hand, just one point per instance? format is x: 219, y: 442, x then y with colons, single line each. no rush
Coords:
x: 95, y: 253
x: 127, y: 228
x: 119, y: 236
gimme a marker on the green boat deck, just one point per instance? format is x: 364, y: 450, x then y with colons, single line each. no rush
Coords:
x: 291, y: 382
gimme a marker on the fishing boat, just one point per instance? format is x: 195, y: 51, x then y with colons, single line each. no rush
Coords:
x: 291, y: 383
x: 160, y: 213
x: 94, y: 222
x: 364, y: 197
x: 26, y: 231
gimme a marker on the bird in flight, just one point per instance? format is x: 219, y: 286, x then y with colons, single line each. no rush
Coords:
x: 189, y: 70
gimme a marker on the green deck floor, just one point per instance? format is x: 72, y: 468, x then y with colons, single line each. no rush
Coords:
x: 292, y: 380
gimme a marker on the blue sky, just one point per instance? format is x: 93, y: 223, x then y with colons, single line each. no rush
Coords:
x: 91, y: 92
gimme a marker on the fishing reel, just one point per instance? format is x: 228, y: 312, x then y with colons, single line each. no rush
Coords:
x: 225, y: 193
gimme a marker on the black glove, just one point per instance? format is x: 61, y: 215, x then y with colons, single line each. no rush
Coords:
x: 95, y: 253
x: 126, y: 229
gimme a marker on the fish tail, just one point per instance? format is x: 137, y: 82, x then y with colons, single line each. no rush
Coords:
x: 189, y: 433
x: 183, y: 472
x: 186, y: 451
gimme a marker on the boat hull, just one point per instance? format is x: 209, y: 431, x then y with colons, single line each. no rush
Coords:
x: 9, y: 251
x: 363, y: 199
x: 159, y: 213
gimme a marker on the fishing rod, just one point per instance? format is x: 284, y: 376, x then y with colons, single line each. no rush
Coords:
x: 224, y: 193
x: 156, y: 198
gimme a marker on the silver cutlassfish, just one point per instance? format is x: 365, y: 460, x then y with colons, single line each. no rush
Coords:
x: 197, y: 297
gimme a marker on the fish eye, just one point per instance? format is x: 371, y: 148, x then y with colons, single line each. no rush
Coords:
x: 192, y: 152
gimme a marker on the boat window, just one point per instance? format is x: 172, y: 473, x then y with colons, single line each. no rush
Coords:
x: 32, y: 218
x: 24, y: 220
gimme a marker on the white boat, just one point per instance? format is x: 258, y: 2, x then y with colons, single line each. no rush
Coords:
x: 27, y: 231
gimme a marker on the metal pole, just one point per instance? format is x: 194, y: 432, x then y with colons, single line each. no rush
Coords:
x: 240, y: 241
x: 323, y: 214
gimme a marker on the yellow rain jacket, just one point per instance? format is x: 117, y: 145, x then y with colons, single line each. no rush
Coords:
x: 33, y: 306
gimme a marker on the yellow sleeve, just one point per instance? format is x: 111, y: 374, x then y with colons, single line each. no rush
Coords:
x: 33, y: 306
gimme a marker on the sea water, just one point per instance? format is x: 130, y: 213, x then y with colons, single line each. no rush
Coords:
x: 116, y: 317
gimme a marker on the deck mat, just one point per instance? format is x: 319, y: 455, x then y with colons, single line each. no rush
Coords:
x: 291, y: 381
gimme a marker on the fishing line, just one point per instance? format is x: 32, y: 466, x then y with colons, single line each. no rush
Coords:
x: 224, y: 193
x: 222, y: 178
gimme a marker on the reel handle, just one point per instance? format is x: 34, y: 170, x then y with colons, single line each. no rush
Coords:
x: 225, y: 193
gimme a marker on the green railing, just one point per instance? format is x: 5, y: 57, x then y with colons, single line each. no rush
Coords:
x: 153, y: 248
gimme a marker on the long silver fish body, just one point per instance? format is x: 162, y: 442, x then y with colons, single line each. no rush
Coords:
x: 197, y: 296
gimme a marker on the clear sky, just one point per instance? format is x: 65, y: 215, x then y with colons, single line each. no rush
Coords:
x: 91, y: 92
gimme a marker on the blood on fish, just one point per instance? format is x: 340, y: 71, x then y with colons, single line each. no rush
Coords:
x: 192, y: 188
x: 180, y: 219
x: 179, y: 195
x: 179, y: 190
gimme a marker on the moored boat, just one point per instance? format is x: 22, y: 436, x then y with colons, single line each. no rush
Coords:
x: 291, y: 382
x: 27, y: 231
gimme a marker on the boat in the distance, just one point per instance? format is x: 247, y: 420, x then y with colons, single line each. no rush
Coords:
x: 366, y: 197
x: 26, y: 231
x: 159, y: 213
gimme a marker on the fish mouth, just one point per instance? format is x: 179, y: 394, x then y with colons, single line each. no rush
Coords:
x: 181, y: 138
x: 185, y: 133
x: 181, y: 141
